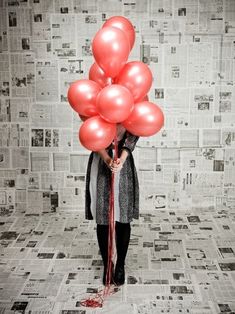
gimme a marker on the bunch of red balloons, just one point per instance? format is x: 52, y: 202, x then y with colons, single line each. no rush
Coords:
x: 116, y: 91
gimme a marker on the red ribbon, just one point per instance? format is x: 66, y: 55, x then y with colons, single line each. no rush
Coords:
x: 98, y: 300
x: 111, y: 223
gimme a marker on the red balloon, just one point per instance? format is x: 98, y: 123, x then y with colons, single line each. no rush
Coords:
x: 97, y: 74
x: 125, y: 25
x: 111, y: 49
x: 145, y: 119
x: 82, y: 97
x: 137, y: 77
x: 96, y: 134
x: 114, y: 103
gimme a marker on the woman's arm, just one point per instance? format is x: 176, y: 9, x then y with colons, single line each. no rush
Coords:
x: 117, y: 164
x: 105, y: 156
x: 113, y: 165
x: 130, y: 142
x: 128, y: 147
x: 124, y: 155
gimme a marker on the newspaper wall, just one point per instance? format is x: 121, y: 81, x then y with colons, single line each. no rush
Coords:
x: 190, y: 50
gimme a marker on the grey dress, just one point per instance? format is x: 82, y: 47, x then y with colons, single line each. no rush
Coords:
x: 128, y: 185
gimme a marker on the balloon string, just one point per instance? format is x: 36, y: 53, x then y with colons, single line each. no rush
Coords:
x: 111, y: 224
x: 98, y: 299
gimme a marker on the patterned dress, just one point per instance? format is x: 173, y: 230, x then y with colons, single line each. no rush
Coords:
x: 98, y: 183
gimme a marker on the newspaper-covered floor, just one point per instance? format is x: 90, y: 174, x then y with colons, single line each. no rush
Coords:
x: 178, y: 262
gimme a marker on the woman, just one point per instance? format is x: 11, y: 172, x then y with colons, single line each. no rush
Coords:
x: 126, y: 197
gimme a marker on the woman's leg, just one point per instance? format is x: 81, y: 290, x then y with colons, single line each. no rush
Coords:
x: 102, y: 232
x: 123, y: 232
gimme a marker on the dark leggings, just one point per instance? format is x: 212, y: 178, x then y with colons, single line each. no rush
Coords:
x: 123, y: 232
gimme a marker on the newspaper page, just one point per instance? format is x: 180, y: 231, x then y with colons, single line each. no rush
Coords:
x: 7, y: 199
x: 228, y: 138
x: 20, y: 29
x: 8, y: 178
x: 20, y: 202
x: 14, y: 135
x: 151, y: 54
x: 5, y: 114
x: 33, y: 180
x: 78, y: 163
x: 85, y: 51
x: 41, y: 29
x: 171, y: 100
x: 20, y: 157
x: 168, y: 31
x: 211, y: 138
x: 203, y: 159
x: 76, y: 144
x: 19, y: 109
x: 3, y: 31
x: 201, y: 107
x: 47, y: 86
x: 229, y: 7
x: 61, y: 161
x: 4, y: 76
x: 88, y: 24
x: 70, y: 71
x: 222, y: 72
x: 40, y: 161
x: 51, y: 139
x: 229, y: 168
x: 40, y: 202
x: 41, y: 35
x: 86, y: 7
x: 211, y: 16
x: 63, y: 6
x: 22, y: 177
x: 63, y: 35
x: 135, y: 8
x: 72, y: 198
x: 161, y: 9
x: 42, y: 285
x: 4, y: 157
x: 52, y: 180
x: 224, y: 109
x: 189, y: 138
x: 51, y: 115
x: 200, y: 59
x: 164, y: 138
x: 187, y: 11
x: 175, y: 102
x: 42, y: 49
x: 201, y: 184
x: 43, y: 6
x: 109, y: 8
x: 74, y: 180
x: 22, y: 74
x: 175, y: 65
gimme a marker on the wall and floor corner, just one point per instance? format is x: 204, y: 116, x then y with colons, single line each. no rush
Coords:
x: 182, y: 250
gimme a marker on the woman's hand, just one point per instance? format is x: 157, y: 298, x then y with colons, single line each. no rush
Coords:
x: 117, y: 165
x: 114, y: 166
x: 106, y: 158
x: 109, y: 162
